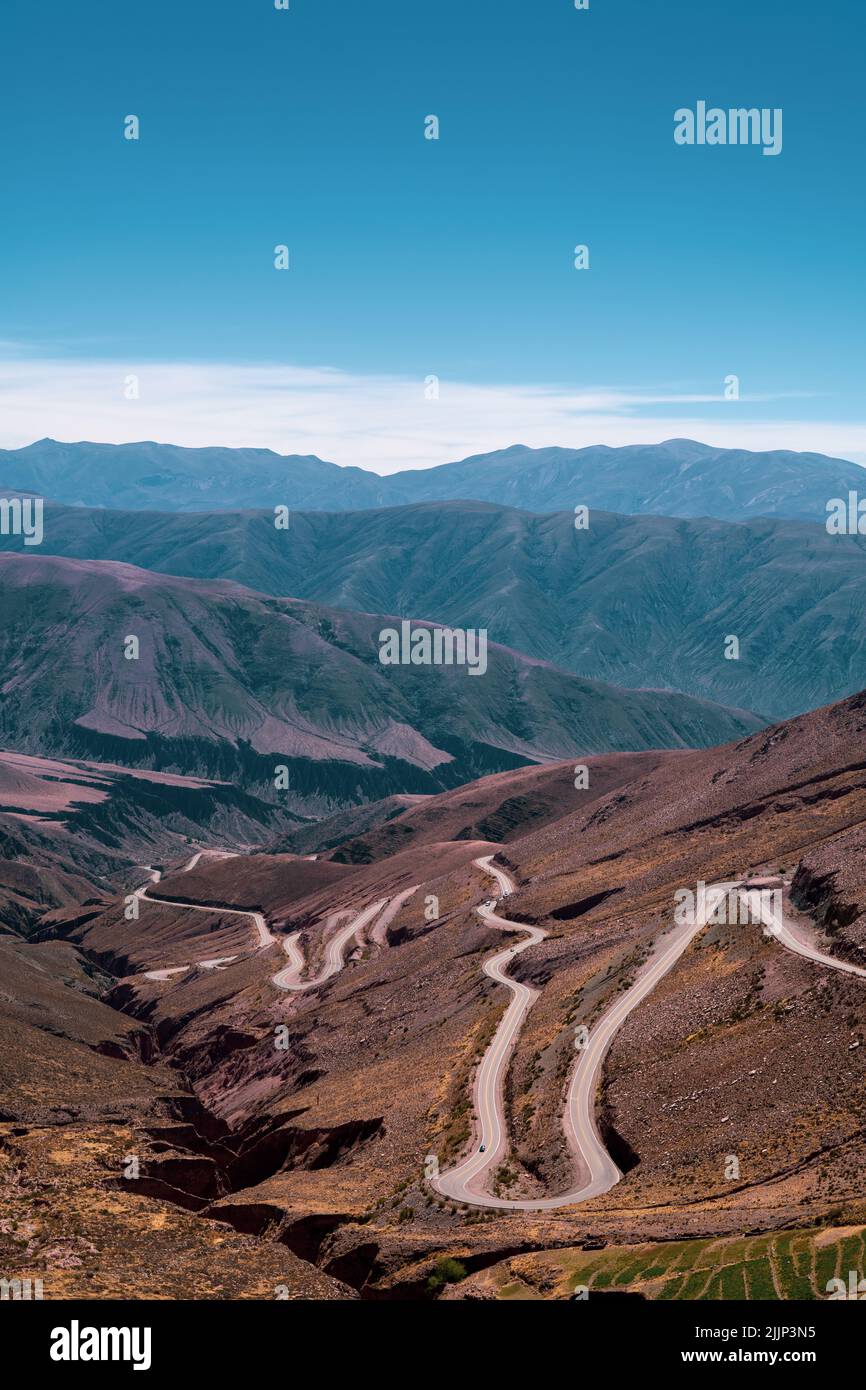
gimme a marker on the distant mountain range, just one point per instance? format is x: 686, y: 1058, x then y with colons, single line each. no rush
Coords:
x: 232, y: 684
x: 679, y: 477
x: 639, y: 601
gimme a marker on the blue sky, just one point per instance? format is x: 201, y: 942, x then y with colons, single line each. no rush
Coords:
x: 412, y: 257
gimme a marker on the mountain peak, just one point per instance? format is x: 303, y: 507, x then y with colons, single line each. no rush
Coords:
x: 677, y: 477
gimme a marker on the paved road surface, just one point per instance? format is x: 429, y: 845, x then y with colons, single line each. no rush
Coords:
x: 462, y: 1183
x: 465, y: 1182
x: 379, y: 934
x: 290, y: 976
x: 788, y: 936
x: 264, y: 935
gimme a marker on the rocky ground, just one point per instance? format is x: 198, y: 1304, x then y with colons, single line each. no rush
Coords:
x: 732, y: 1098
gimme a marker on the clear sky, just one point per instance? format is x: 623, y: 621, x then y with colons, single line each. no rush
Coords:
x: 412, y: 257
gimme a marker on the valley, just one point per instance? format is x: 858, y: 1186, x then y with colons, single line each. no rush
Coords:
x: 285, y: 1116
x: 432, y: 680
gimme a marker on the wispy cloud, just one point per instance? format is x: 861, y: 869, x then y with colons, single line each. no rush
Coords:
x: 378, y: 422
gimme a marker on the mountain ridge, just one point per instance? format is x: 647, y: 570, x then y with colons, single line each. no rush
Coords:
x: 676, y: 477
x: 640, y: 601
x: 227, y: 680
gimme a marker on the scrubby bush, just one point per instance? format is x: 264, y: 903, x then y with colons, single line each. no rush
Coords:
x: 447, y: 1271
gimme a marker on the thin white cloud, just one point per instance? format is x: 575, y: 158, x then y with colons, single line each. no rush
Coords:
x: 380, y: 422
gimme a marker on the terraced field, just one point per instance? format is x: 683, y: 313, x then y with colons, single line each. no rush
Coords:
x: 784, y: 1265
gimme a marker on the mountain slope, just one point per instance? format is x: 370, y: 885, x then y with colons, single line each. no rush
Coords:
x: 177, y: 479
x: 640, y: 601
x: 743, y: 1049
x: 69, y: 831
x: 499, y: 808
x: 679, y: 477
x: 230, y: 683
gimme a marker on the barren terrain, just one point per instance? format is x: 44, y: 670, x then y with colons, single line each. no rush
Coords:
x: 307, y: 1120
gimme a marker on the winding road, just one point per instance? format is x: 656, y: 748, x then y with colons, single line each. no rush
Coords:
x: 264, y: 935
x: 290, y: 977
x: 460, y: 1183
x: 466, y: 1181
x: 788, y: 937
x: 379, y: 934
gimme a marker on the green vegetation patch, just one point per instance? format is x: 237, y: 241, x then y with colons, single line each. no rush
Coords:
x: 734, y: 1269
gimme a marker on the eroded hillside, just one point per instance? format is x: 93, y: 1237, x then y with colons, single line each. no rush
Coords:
x: 314, y: 1102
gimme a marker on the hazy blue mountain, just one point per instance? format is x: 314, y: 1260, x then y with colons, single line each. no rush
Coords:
x: 676, y: 478
x: 679, y: 477
x: 171, y: 478
x: 640, y: 601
